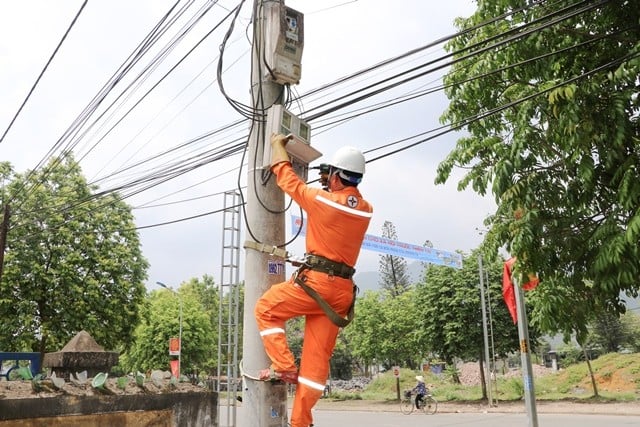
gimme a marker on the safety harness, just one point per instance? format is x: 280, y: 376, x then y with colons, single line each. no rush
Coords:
x: 322, y: 265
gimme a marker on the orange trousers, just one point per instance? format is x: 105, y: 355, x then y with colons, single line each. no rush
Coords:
x: 286, y: 300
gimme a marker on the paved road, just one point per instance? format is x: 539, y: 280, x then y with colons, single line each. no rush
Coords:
x: 327, y: 418
x: 390, y: 419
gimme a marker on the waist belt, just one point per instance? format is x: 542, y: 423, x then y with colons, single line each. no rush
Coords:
x: 332, y: 268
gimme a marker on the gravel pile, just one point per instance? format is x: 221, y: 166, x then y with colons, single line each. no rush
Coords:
x: 470, y: 373
x: 354, y: 384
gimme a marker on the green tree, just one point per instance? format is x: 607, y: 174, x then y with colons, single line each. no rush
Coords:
x: 73, y: 262
x: 393, y: 269
x: 385, y: 329
x: 205, y: 291
x: 451, y: 312
x: 150, y: 349
x: 607, y: 332
x: 365, y: 332
x: 631, y: 323
x: 342, y: 359
x: 549, y: 98
x: 612, y: 333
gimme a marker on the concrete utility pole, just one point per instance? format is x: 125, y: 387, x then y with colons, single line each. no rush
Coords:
x: 525, y: 355
x: 265, y: 403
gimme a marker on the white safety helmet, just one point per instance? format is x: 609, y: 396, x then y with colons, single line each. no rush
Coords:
x: 349, y: 159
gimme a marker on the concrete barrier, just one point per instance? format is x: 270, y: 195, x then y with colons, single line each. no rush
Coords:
x: 192, y: 409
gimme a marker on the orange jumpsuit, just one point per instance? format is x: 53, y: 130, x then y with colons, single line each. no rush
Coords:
x: 336, y: 225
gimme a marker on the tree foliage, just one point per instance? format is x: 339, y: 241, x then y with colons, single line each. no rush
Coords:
x: 393, y: 269
x: 150, y: 349
x: 451, y: 311
x: 73, y: 262
x: 385, y: 330
x: 549, y: 98
x: 611, y: 333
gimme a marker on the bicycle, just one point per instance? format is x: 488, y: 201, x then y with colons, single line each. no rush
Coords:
x: 428, y: 405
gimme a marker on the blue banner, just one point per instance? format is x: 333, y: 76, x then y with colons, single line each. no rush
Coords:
x: 396, y: 248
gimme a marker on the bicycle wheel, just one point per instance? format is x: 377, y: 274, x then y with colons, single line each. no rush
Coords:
x: 429, y: 405
x: 406, y: 406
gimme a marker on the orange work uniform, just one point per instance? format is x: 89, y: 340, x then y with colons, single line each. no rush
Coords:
x: 336, y: 226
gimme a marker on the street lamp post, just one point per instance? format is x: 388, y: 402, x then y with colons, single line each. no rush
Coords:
x: 180, y: 327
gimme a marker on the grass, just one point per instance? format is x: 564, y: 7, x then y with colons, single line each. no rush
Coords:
x: 617, y: 378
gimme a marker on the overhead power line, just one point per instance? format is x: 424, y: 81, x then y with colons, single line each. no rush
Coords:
x: 153, y: 178
x: 33, y: 88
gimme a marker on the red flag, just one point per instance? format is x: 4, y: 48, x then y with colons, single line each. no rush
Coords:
x: 508, y: 292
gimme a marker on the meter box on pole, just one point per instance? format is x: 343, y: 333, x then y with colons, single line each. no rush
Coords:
x: 280, y: 120
x: 283, y: 45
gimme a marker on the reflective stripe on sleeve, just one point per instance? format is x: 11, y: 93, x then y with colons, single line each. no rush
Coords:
x: 271, y: 331
x: 312, y: 384
x: 343, y: 208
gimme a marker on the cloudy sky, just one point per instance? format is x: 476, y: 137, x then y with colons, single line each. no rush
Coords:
x: 129, y: 127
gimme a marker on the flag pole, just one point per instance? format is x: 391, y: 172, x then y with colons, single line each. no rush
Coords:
x: 525, y: 355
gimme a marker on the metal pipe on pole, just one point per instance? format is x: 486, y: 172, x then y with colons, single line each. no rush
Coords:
x: 265, y: 403
x: 525, y: 355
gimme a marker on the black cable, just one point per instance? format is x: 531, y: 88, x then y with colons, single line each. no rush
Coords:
x: 111, y: 82
x: 388, y: 103
x: 434, y: 43
x: 483, y: 115
x: 393, y: 152
x: 66, y: 33
x: 156, y: 84
x: 244, y: 110
x: 518, y: 34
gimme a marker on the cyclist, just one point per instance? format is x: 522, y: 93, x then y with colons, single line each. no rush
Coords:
x: 420, y: 389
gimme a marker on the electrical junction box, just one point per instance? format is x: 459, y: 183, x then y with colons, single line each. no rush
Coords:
x: 284, y: 34
x: 280, y: 120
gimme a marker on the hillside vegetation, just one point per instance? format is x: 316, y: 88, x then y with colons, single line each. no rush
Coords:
x: 617, y: 377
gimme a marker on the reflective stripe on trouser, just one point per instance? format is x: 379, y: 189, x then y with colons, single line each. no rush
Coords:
x: 286, y: 300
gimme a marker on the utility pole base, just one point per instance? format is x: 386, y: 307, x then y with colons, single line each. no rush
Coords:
x: 271, y: 408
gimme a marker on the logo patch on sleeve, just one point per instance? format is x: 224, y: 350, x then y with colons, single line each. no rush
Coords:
x: 352, y: 201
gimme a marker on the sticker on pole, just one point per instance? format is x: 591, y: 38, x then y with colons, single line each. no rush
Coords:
x: 276, y: 267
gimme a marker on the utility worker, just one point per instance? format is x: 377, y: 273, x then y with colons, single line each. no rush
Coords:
x: 337, y: 222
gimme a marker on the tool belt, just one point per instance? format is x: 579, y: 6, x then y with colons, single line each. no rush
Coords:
x: 332, y: 268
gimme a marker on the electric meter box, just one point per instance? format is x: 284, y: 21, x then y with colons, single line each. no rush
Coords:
x: 280, y: 120
x: 284, y: 42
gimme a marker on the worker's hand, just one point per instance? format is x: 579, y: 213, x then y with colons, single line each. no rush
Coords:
x: 278, y: 153
x: 324, y: 181
x: 280, y: 139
